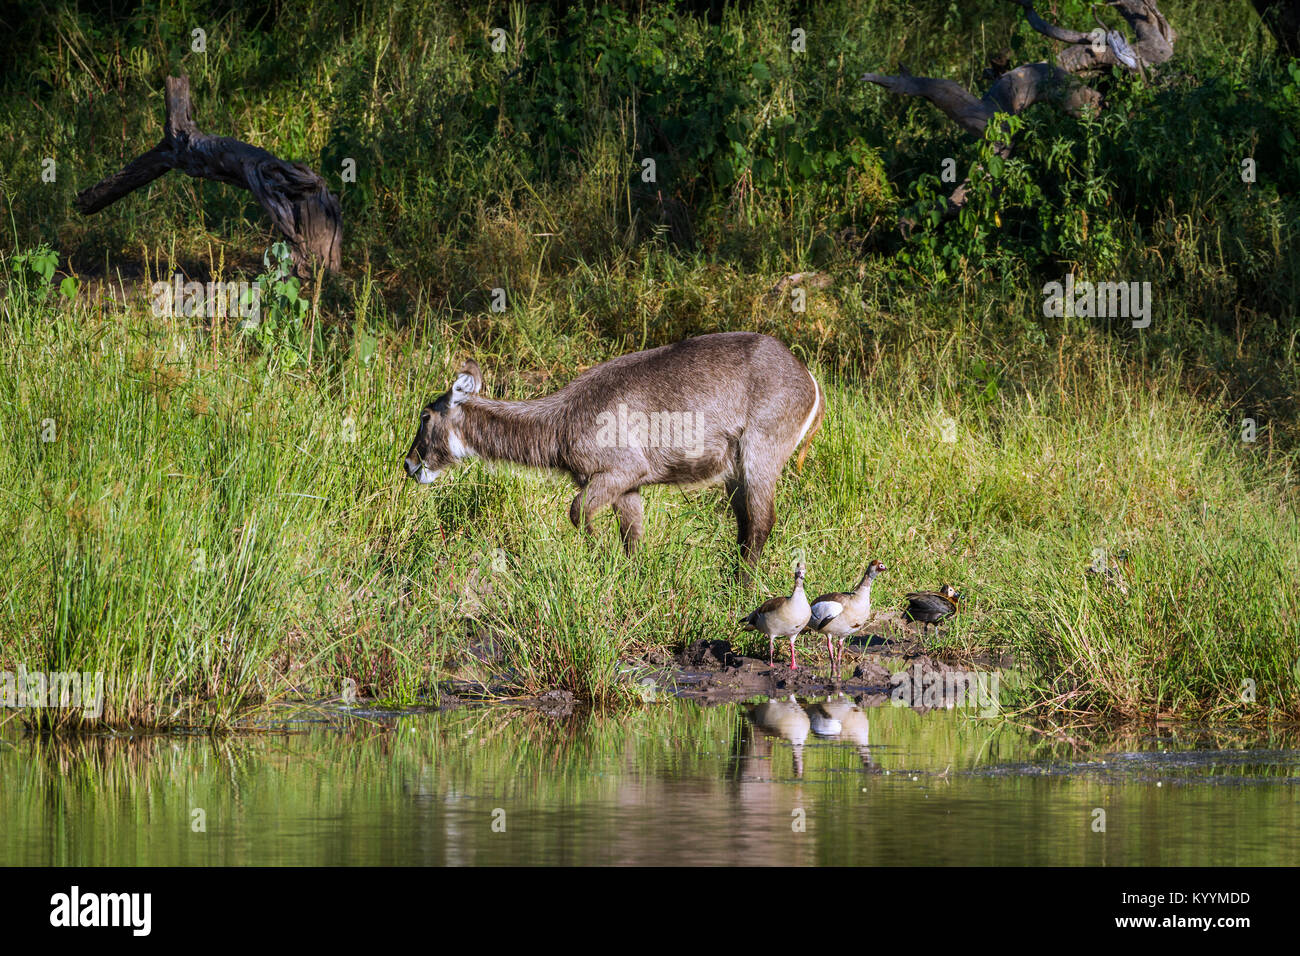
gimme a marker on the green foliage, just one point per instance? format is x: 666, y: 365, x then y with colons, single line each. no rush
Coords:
x: 279, y: 327
x: 39, y: 263
x: 1289, y: 118
x: 1114, y: 193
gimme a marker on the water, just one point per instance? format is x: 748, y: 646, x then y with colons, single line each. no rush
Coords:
x: 675, y: 783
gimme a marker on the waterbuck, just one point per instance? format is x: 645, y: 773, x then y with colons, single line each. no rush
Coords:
x: 727, y: 408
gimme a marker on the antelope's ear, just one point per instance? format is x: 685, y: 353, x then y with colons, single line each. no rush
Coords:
x: 469, y: 381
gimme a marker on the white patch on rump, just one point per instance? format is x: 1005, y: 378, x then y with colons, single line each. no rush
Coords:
x: 817, y: 401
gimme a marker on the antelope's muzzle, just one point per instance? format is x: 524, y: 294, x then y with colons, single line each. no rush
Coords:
x: 417, y: 470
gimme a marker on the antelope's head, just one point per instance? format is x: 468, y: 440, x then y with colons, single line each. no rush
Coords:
x: 438, y: 442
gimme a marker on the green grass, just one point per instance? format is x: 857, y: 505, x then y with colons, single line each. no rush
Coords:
x: 204, y: 530
x: 221, y: 521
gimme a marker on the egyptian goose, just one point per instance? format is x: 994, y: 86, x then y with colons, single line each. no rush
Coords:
x: 841, y: 718
x: 825, y: 721
x: 839, y: 615
x: 931, y: 607
x: 782, y: 617
x: 780, y: 718
x: 785, y: 719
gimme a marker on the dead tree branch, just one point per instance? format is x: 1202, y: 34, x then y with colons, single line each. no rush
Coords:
x: 1061, y: 83
x: 294, y: 196
x: 1013, y: 92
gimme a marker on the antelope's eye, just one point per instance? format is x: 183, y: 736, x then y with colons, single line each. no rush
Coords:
x: 425, y: 416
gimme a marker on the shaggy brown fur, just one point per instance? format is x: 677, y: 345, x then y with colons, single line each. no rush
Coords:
x: 729, y: 408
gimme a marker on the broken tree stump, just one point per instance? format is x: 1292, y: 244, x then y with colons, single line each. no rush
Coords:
x: 296, y: 198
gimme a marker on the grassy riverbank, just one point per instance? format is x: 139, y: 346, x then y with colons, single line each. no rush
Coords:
x: 207, y: 529
x: 212, y: 518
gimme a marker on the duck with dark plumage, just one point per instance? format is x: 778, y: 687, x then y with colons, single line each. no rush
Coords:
x: 931, y: 607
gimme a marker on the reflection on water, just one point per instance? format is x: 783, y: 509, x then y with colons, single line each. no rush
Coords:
x: 780, y: 781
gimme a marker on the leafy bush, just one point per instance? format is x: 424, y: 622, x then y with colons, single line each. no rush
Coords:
x: 41, y: 263
x: 279, y: 327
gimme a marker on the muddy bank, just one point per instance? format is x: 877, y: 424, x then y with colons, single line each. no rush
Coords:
x: 889, y: 658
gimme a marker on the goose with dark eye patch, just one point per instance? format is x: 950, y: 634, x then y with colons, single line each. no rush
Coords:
x: 931, y: 607
x: 838, y: 614
x: 782, y: 617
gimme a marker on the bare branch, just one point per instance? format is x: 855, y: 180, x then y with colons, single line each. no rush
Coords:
x: 959, y: 104
x: 1093, y: 52
x: 1015, y: 90
x: 296, y: 198
x: 1018, y: 89
x: 1050, y: 29
x: 1155, y: 37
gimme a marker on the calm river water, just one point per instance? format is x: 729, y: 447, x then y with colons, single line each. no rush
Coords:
x: 676, y: 783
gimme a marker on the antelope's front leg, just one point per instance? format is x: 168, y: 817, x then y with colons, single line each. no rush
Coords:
x: 599, y: 491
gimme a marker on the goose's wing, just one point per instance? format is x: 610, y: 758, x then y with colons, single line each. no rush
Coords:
x: 824, y: 723
x: 772, y: 604
x: 826, y: 609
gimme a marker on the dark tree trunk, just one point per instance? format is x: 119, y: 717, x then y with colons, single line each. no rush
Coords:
x: 1283, y: 20
x: 295, y: 197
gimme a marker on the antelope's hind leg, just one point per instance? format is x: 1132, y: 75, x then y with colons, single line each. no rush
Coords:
x: 760, y: 505
x: 754, y: 486
x: 631, y: 511
x: 740, y: 508
x: 736, y: 498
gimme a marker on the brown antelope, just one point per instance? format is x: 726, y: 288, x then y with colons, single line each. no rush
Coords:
x: 727, y: 408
